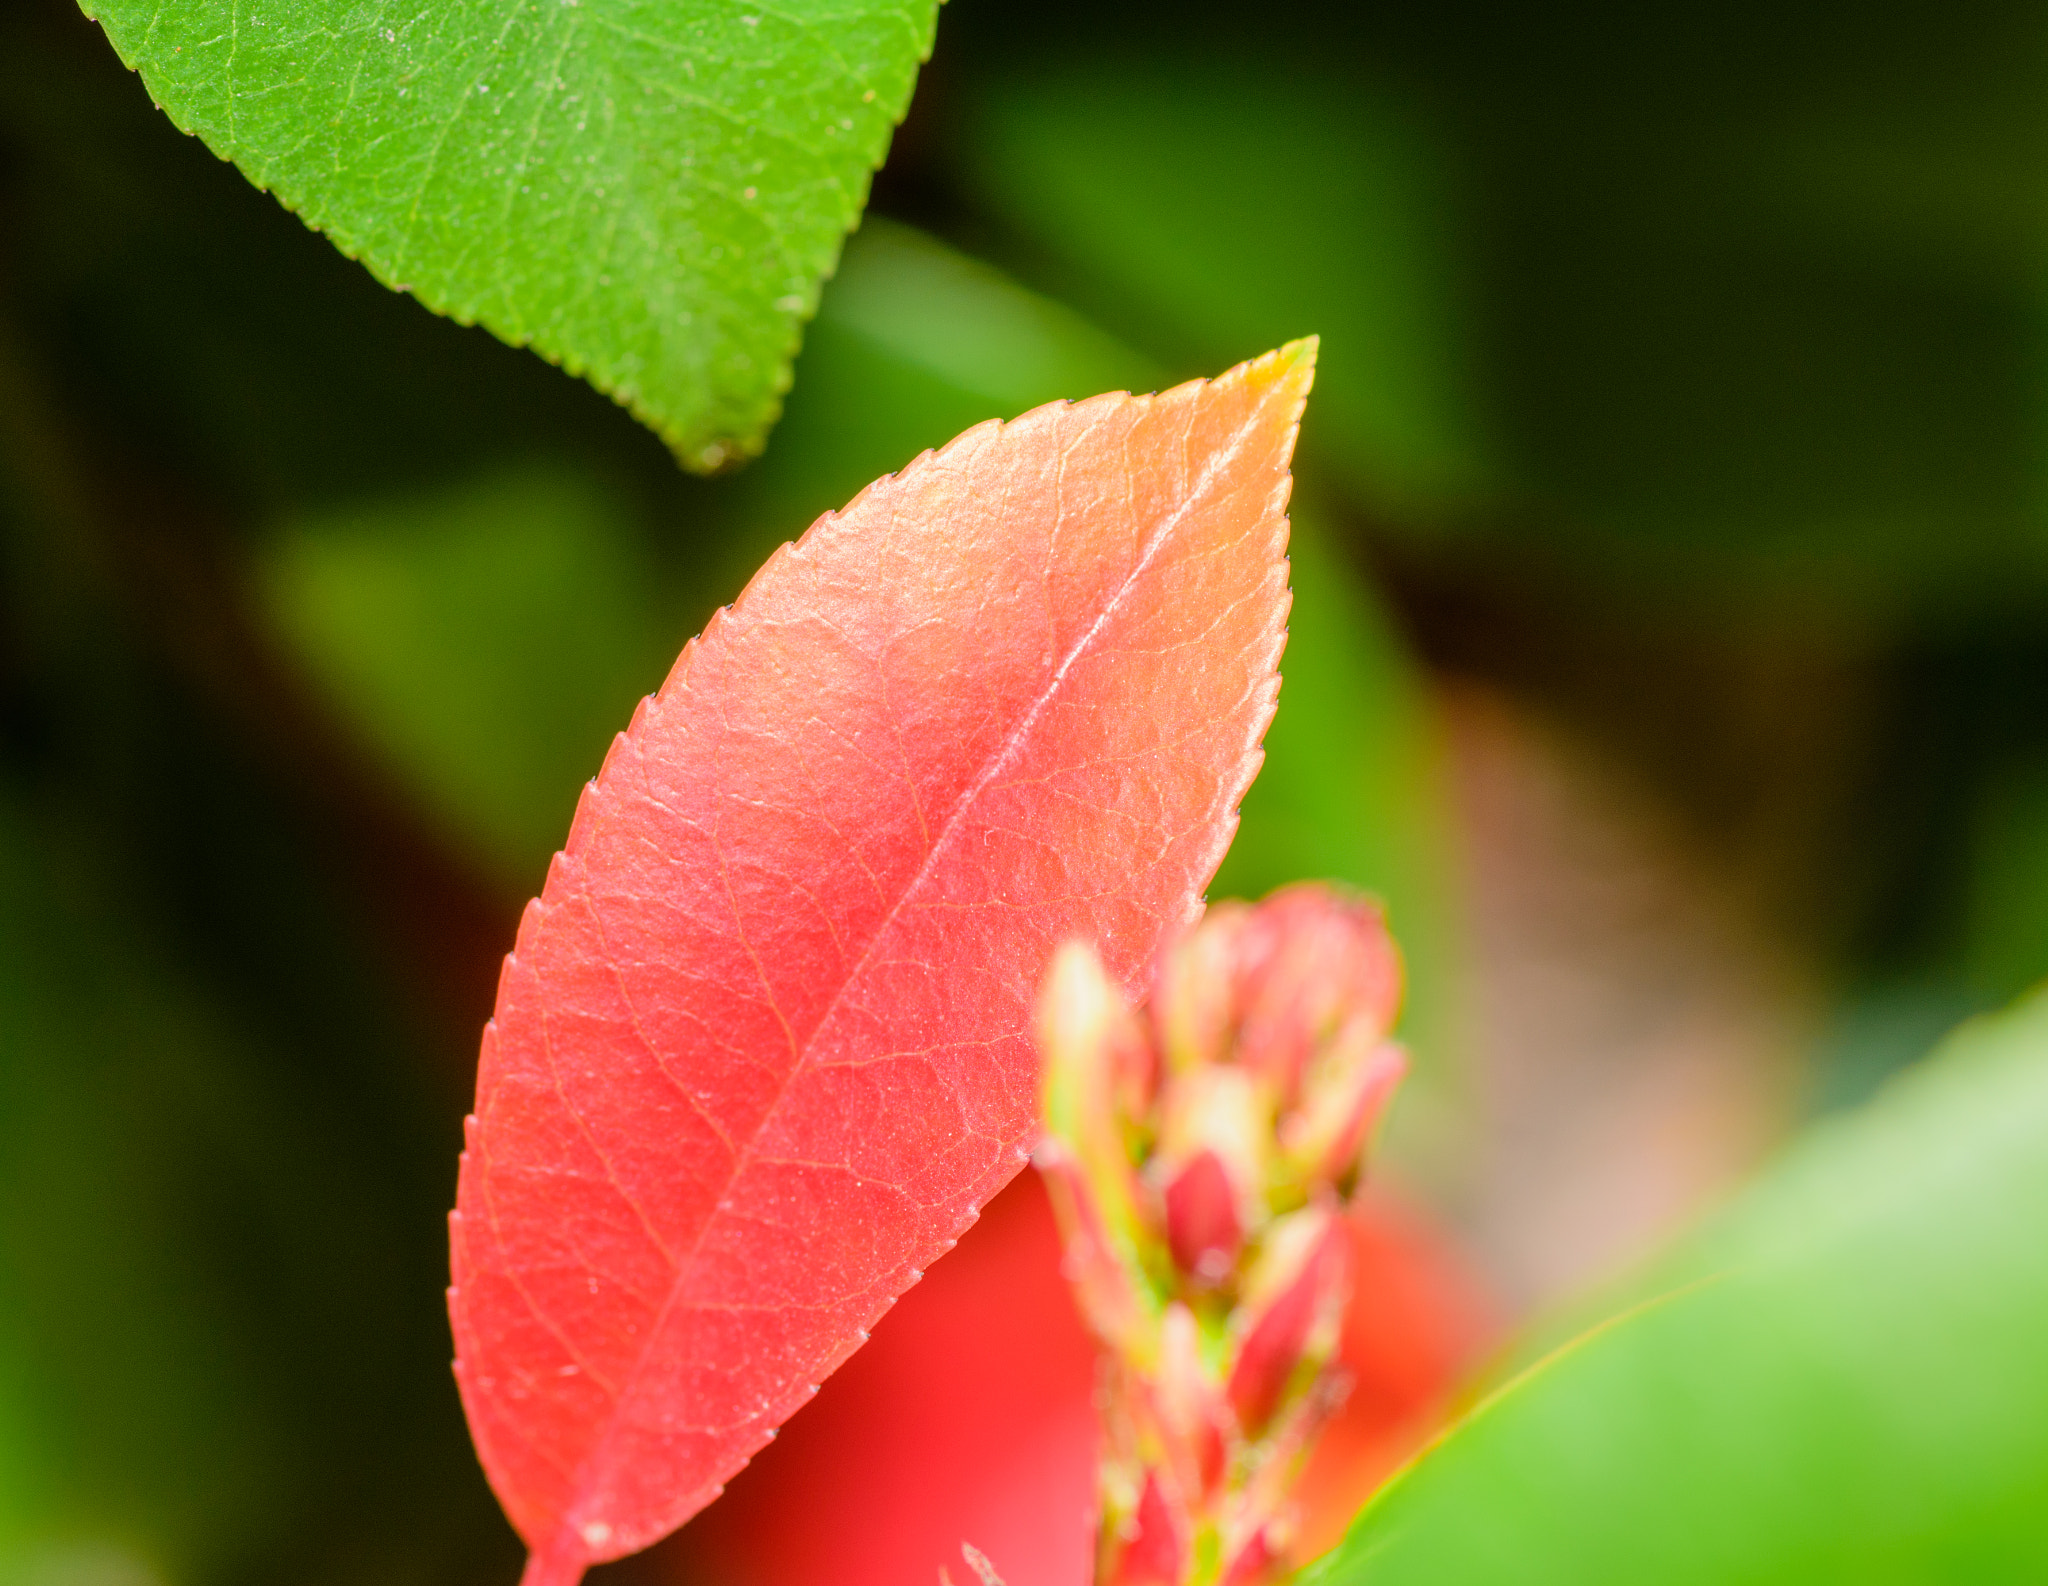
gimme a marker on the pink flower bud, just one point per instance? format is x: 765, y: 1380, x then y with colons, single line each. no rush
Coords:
x: 1203, y: 1227
x: 1197, y: 1157
x: 1111, y: 1299
x: 1222, y: 1112
x: 1257, y: 1561
x: 1154, y: 1551
x: 1087, y: 1032
x: 1190, y: 1406
x: 1343, y: 1095
x: 1098, y: 1063
x: 1291, y: 1312
x: 1313, y: 963
x: 1194, y: 1000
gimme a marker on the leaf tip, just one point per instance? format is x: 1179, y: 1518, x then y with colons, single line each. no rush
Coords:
x: 1286, y: 373
x: 1300, y: 353
x: 1294, y: 364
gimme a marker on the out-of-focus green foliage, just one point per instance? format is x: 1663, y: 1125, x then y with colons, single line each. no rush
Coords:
x: 117, y: 1356
x: 1223, y: 210
x: 1850, y: 1387
x: 2005, y: 932
x: 209, y: 1299
x: 649, y: 195
x: 488, y: 640
x: 1354, y: 786
x: 1707, y: 303
x: 921, y: 304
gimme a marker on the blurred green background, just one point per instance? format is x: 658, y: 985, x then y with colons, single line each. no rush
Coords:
x: 1684, y: 399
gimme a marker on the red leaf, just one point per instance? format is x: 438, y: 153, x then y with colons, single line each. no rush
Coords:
x: 761, y: 1048
x: 1419, y: 1329
x: 970, y: 1418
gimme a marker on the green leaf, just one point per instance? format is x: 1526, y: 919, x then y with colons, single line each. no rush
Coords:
x: 1852, y: 1388
x: 648, y: 194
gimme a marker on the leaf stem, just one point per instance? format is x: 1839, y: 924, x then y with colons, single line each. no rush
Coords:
x: 556, y: 1562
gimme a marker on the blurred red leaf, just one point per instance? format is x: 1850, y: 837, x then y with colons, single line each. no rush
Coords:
x: 1419, y: 1328
x: 760, y: 1050
x: 970, y: 1418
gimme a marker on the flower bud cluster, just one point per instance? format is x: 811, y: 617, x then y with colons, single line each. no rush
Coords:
x: 1200, y: 1152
